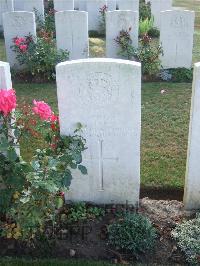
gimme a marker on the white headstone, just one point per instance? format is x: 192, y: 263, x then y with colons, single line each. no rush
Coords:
x: 112, y: 5
x: 192, y: 182
x: 115, y: 22
x: 156, y: 7
x: 5, y: 6
x: 104, y: 96
x: 61, y: 5
x: 17, y: 24
x: 132, y: 5
x: 80, y: 5
x: 5, y: 76
x: 72, y: 33
x: 176, y: 37
x: 30, y: 5
x: 94, y: 15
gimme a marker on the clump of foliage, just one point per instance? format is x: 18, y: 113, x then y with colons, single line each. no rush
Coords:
x: 102, y: 12
x: 187, y: 236
x: 145, y: 25
x: 124, y: 42
x: 144, y: 10
x: 149, y: 56
x: 182, y: 74
x: 147, y: 53
x: 154, y: 32
x: 133, y: 233
x: 32, y: 192
x: 81, y: 212
x: 39, y: 56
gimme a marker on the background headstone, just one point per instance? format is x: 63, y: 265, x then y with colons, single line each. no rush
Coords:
x: 192, y: 182
x: 17, y: 24
x: 104, y: 95
x: 132, y: 5
x: 5, y: 6
x: 5, y: 76
x: 61, y: 5
x: 156, y: 7
x: 176, y: 37
x: 72, y: 33
x: 115, y: 22
x: 94, y: 16
x: 112, y: 5
x: 30, y: 5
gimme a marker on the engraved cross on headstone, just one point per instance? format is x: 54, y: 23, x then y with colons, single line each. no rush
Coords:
x: 101, y: 160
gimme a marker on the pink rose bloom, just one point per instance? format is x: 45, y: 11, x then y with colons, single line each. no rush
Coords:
x: 54, y: 118
x: 18, y: 41
x: 23, y: 47
x: 43, y: 110
x: 7, y: 101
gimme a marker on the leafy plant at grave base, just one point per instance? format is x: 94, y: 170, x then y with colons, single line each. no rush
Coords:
x: 133, y: 233
x: 31, y: 193
x: 182, y: 74
x: 144, y: 10
x: 81, y: 212
x: 102, y: 12
x: 124, y: 42
x: 147, y: 53
x: 187, y: 236
x: 39, y: 57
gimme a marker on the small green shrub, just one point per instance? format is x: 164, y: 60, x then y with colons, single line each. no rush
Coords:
x: 182, y: 74
x: 133, y: 233
x: 144, y: 10
x: 187, y: 236
x: 145, y: 26
x: 147, y: 53
x: 48, y: 23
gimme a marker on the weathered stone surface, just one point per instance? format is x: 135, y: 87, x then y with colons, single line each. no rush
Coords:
x: 72, y: 33
x: 30, y: 5
x: 132, y: 5
x: 156, y: 7
x: 94, y: 16
x: 192, y: 182
x: 5, y: 76
x: 5, y: 6
x: 17, y: 24
x: 104, y: 95
x: 117, y: 21
x: 61, y: 5
x: 176, y: 37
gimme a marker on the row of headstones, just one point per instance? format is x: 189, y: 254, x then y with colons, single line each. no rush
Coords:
x: 176, y: 33
x: 104, y: 95
x: 91, y: 6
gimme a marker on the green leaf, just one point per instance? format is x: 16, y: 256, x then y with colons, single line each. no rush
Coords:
x: 12, y: 155
x: 67, y: 178
x: 83, y: 169
x: 59, y: 202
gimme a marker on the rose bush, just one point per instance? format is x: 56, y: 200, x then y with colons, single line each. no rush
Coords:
x: 32, y: 192
x: 38, y: 56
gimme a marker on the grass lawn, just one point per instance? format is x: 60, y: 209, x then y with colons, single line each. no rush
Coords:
x: 165, y: 119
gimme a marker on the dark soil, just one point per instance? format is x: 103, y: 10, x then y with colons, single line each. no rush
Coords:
x: 89, y: 240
